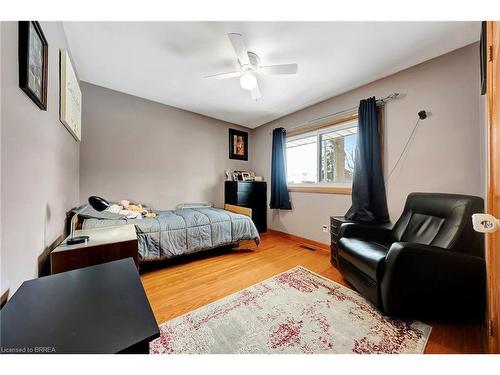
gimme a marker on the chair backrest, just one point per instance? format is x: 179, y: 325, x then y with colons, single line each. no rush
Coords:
x: 442, y: 220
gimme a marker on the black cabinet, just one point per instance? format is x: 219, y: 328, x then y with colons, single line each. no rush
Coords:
x: 251, y: 194
x: 335, y: 223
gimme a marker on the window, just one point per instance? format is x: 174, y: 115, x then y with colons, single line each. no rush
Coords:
x: 322, y: 158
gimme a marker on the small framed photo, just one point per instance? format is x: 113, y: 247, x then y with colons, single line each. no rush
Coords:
x: 238, y: 144
x: 237, y: 176
x: 33, y: 62
x: 246, y: 176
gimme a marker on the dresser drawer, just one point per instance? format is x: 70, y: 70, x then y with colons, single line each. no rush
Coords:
x: 335, y: 223
x: 335, y: 229
x: 244, y: 197
x: 334, y: 256
x: 245, y: 186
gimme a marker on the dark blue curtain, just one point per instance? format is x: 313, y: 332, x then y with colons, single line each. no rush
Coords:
x: 369, y: 202
x: 279, y: 190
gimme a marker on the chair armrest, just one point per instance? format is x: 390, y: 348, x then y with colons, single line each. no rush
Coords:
x: 365, y: 231
x: 424, y: 280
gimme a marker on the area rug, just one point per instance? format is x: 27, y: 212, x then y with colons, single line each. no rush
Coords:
x: 297, y: 311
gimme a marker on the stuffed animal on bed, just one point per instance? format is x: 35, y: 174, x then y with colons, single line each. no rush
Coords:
x: 136, y: 208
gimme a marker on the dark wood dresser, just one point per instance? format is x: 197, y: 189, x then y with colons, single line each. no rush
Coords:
x: 335, y: 223
x: 251, y: 194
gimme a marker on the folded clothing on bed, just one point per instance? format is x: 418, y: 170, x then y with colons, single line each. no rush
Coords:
x: 117, y: 209
x: 176, y: 232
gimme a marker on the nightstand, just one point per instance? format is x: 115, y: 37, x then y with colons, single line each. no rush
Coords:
x: 335, y: 223
x: 105, y: 245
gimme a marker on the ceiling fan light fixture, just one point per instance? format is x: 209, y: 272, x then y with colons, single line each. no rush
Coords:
x: 248, y: 81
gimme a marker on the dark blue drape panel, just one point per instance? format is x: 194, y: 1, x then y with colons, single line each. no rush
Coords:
x: 369, y: 202
x: 279, y: 190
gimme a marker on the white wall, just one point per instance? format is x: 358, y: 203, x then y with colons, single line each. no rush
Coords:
x: 4, y: 280
x: 147, y: 152
x: 39, y: 163
x: 446, y: 154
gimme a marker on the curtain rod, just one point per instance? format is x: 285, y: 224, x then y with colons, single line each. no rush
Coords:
x: 390, y: 97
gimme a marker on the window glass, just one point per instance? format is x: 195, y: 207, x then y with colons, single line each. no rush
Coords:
x: 325, y: 156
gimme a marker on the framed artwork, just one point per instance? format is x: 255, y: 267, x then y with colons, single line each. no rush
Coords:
x: 483, y: 57
x: 33, y: 62
x: 70, y: 101
x: 238, y: 144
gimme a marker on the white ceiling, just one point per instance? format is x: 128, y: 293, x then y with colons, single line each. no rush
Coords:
x: 166, y: 61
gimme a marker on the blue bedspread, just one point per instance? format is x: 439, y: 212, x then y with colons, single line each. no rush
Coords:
x: 189, y: 230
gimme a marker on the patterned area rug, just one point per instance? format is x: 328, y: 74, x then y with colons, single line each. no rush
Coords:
x: 297, y: 311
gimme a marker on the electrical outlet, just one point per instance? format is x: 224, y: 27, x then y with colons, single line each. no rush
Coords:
x: 325, y: 228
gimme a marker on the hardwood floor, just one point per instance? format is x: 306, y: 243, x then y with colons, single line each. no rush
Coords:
x: 184, y: 284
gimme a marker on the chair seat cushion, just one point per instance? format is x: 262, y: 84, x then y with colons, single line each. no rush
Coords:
x: 368, y: 257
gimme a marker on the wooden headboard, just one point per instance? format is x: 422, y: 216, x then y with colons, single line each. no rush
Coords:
x: 238, y: 210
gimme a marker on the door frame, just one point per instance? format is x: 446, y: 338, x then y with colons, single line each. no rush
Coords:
x: 493, y: 184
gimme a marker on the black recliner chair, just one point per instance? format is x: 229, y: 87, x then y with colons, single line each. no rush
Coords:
x: 429, y: 265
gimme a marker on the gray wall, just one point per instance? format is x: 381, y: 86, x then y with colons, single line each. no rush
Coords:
x: 140, y: 150
x: 446, y: 155
x: 39, y: 163
x: 148, y: 152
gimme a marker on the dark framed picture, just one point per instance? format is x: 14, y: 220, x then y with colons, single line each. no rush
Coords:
x: 33, y: 62
x: 483, y: 57
x: 238, y: 144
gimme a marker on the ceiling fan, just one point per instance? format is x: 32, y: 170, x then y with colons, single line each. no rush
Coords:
x: 250, y: 65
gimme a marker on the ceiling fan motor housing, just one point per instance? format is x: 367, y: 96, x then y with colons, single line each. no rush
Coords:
x: 254, y: 62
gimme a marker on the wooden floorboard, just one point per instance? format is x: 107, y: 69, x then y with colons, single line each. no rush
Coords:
x: 184, y: 284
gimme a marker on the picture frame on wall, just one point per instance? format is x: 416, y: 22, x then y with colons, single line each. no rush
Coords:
x: 70, y: 100
x: 238, y: 144
x: 483, y: 57
x: 33, y: 62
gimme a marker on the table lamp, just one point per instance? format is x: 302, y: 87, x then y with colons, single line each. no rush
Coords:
x: 98, y: 204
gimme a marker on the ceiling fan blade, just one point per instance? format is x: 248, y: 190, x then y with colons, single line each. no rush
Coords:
x: 239, y: 47
x: 256, y: 95
x: 224, y: 75
x: 279, y: 69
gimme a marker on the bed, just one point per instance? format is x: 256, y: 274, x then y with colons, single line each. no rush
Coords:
x: 177, y: 232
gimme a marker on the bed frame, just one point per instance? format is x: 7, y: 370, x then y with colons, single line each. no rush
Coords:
x: 77, y: 224
x: 238, y: 210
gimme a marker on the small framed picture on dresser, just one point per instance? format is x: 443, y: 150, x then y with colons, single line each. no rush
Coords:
x: 33, y: 62
x: 238, y: 144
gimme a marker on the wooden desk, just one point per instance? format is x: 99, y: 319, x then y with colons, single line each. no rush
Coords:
x: 105, y: 245
x: 98, y: 309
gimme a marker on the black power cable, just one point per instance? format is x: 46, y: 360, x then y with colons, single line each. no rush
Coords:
x: 422, y: 115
